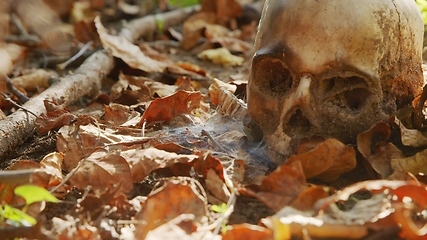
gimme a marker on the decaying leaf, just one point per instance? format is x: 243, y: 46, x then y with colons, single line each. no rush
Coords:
x: 280, y: 187
x: 160, y: 109
x: 53, y: 119
x: 128, y: 52
x: 37, y: 79
x: 410, y: 137
x: 248, y: 232
x: 375, y: 139
x: 176, y: 197
x: 52, y: 165
x: 103, y: 169
x: 78, y: 140
x: 216, y: 87
x: 221, y: 56
x: 224, y: 9
x: 327, y: 161
x: 416, y: 164
x: 143, y: 161
x: 9, y: 55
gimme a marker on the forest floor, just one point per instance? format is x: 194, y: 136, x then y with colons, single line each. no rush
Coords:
x: 145, y: 134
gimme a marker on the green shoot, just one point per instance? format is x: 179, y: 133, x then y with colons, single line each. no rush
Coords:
x: 222, y: 209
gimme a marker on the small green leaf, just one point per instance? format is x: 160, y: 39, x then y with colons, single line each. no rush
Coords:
x: 33, y: 193
x: 183, y: 3
x: 219, y: 208
x: 17, y: 216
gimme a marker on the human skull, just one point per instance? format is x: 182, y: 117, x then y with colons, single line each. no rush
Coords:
x: 332, y: 68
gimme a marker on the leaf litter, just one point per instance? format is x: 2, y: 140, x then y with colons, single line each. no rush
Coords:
x: 166, y: 152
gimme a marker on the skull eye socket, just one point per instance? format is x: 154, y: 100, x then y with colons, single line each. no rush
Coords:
x: 347, y: 93
x: 272, y: 77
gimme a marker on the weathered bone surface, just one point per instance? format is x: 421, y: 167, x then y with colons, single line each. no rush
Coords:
x: 332, y: 68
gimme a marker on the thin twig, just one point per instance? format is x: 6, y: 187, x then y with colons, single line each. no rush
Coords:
x: 7, y: 98
x: 11, y: 88
x: 63, y: 65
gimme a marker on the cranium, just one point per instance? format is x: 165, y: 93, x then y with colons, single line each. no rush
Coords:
x: 332, y: 68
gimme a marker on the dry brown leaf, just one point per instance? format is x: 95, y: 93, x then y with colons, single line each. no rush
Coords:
x: 173, y: 199
x: 384, y: 151
x: 101, y: 170
x: 247, y: 232
x: 160, y: 109
x: 52, y: 165
x: 143, y: 161
x: 37, y: 79
x: 80, y: 139
x: 234, y: 44
x: 9, y: 54
x: 280, y: 187
x: 128, y: 52
x: 221, y: 56
x: 217, y: 187
x: 53, y: 119
x: 180, y: 227
x: 416, y: 164
x: 327, y: 161
x: 192, y: 68
x: 215, y: 31
x: 40, y: 19
x: 309, y: 196
x: 117, y: 114
x: 216, y: 87
x: 192, y: 28
x: 395, y: 197
x: 410, y: 137
x: 294, y: 223
x: 224, y: 9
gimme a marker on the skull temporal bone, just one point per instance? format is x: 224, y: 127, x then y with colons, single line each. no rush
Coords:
x: 332, y: 68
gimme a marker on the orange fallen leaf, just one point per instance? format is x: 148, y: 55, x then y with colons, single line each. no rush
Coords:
x: 52, y: 165
x: 280, y: 187
x: 247, y: 232
x: 176, y: 197
x: 327, y: 161
x: 143, y: 161
x: 128, y: 52
x: 101, y: 170
x: 374, y: 139
x: 53, y: 120
x: 167, y: 108
x: 216, y: 87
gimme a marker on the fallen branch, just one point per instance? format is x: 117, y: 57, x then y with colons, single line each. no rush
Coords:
x: 86, y: 80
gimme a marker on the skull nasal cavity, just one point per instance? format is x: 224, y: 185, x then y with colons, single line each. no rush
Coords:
x: 274, y: 77
x: 298, y: 124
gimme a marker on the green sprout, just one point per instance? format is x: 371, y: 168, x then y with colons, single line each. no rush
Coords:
x: 31, y: 194
x: 222, y: 209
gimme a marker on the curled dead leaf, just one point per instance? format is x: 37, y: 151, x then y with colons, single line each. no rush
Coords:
x: 176, y: 197
x: 128, y: 52
x: 280, y: 187
x: 327, y: 161
x: 221, y: 56
x: 160, y: 109
x: 143, y: 161
x: 101, y: 170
